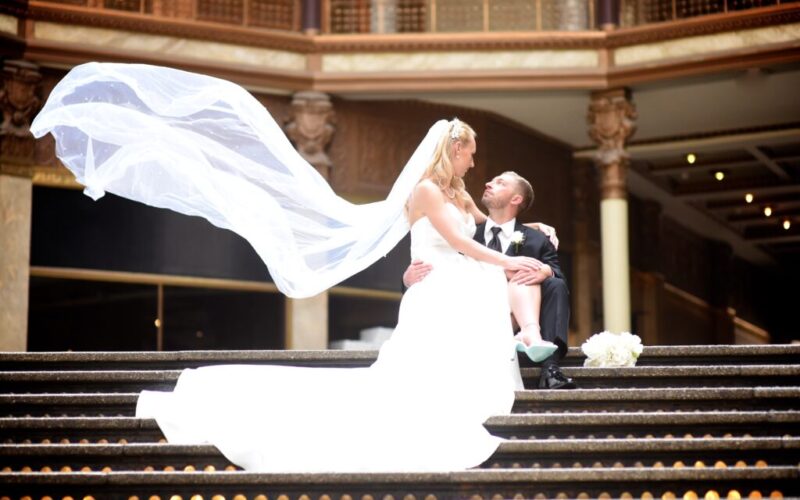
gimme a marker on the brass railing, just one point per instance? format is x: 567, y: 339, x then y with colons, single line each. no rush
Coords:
x: 423, y: 16
x: 638, y: 12
x: 449, y: 16
x: 417, y: 16
x: 270, y: 14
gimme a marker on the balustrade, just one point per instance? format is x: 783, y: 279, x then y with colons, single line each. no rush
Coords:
x: 419, y: 16
x: 271, y: 14
x: 448, y: 16
x: 637, y: 12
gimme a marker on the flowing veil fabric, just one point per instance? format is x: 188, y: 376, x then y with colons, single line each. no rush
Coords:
x: 204, y: 146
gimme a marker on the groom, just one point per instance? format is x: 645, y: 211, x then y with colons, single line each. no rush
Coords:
x: 506, y: 196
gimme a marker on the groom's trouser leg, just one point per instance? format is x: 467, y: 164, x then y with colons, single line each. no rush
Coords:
x: 554, y: 317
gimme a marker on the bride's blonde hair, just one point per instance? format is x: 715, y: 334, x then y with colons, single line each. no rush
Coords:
x: 441, y: 169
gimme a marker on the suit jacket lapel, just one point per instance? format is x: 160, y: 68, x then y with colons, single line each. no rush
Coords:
x: 479, y: 229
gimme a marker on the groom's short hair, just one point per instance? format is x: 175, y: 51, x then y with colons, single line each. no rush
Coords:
x: 523, y: 188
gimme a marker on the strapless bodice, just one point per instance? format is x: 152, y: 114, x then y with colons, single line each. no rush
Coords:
x: 429, y: 246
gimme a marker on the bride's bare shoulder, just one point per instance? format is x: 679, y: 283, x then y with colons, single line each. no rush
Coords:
x: 425, y: 197
x: 427, y: 192
x: 426, y: 185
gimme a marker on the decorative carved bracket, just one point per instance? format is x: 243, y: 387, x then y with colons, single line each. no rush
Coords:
x: 611, y: 119
x: 311, y: 128
x: 18, y: 102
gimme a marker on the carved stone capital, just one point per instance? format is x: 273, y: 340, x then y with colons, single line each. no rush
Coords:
x: 311, y: 128
x: 611, y: 122
x: 19, y: 102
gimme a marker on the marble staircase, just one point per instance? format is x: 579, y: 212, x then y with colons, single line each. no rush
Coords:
x: 686, y: 422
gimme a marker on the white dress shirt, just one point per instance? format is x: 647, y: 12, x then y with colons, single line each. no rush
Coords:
x: 506, y: 230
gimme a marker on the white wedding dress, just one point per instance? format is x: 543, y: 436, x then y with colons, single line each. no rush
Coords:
x: 205, y: 147
x: 420, y: 407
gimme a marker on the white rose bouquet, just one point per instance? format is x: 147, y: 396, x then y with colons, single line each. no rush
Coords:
x: 606, y: 349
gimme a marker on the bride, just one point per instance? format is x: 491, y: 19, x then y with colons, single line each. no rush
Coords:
x: 203, y: 146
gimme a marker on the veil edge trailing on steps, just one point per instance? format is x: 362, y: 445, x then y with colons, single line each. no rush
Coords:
x: 203, y: 146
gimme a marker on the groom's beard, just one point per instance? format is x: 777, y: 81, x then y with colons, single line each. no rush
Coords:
x: 487, y: 203
x: 491, y: 204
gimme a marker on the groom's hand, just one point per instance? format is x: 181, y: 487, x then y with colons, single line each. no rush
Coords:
x: 532, y: 277
x: 416, y: 272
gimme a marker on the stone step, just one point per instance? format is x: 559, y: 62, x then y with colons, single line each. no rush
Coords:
x: 646, y: 424
x: 676, y: 376
x: 578, y: 400
x: 647, y: 452
x: 101, y: 430
x: 96, y: 381
x: 710, y: 355
x: 653, y: 399
x: 92, y: 430
x: 175, y: 360
x: 533, y: 454
x: 476, y: 484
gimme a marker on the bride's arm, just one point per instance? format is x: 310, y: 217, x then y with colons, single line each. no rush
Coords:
x: 429, y: 200
x: 472, y: 208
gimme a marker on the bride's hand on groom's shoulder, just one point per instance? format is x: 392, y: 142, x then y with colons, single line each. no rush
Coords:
x: 548, y: 231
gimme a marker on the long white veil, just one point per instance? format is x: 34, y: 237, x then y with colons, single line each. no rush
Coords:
x: 204, y: 146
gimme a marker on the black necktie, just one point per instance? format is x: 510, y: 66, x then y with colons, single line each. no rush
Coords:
x: 494, y: 243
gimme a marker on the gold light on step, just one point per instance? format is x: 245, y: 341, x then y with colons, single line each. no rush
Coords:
x: 691, y: 158
x: 748, y: 197
x: 719, y: 175
x: 787, y: 224
x: 768, y: 210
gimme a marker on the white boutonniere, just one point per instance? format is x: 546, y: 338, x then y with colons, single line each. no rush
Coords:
x: 517, y: 238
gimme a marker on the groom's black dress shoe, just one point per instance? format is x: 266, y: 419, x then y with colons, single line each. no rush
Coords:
x: 552, y: 378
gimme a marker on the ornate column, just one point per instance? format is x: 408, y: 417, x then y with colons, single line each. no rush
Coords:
x: 311, y: 128
x: 18, y: 103
x: 306, y: 323
x: 611, y: 119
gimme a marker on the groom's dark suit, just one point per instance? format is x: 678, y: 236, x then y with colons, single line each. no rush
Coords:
x: 554, y: 317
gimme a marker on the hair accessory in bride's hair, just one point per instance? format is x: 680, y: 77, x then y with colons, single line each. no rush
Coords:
x: 455, y: 129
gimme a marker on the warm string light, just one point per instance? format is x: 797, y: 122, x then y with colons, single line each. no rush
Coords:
x: 787, y: 224
x: 691, y: 158
x: 719, y: 175
x: 768, y: 210
x: 748, y: 197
